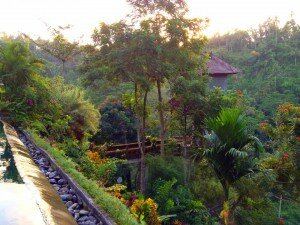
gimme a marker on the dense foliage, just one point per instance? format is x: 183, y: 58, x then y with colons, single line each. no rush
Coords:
x: 143, y: 75
x: 268, y: 58
x: 117, y: 124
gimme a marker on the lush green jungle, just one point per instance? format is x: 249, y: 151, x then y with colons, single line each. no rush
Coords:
x: 140, y: 82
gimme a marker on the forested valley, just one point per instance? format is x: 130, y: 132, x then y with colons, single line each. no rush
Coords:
x: 201, y: 155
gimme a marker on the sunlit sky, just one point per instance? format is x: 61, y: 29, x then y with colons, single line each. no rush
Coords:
x: 30, y: 16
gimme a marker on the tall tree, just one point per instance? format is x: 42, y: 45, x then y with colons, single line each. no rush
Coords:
x: 59, y: 47
x: 122, y: 56
x: 174, y: 45
x: 189, y: 99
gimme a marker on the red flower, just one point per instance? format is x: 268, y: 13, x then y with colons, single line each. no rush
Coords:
x: 174, y: 103
x: 30, y: 102
x: 281, y: 221
x: 298, y: 138
x: 285, y: 156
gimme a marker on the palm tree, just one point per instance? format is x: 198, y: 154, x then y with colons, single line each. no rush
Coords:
x: 232, y: 151
x: 17, y: 64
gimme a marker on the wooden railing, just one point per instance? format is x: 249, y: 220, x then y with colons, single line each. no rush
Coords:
x: 132, y: 151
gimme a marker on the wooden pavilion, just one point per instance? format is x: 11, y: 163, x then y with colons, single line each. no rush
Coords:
x: 219, y: 71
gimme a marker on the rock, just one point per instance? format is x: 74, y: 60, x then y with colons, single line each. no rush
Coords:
x: 83, y: 218
x: 72, y: 192
x: 92, y: 219
x: 52, y: 174
x: 83, y: 212
x: 41, y: 160
x: 69, y: 204
x: 86, y: 223
x: 76, y: 216
x: 56, y: 188
x: 74, y: 198
x: 64, y: 190
x: 74, y: 206
x: 79, y: 201
x: 71, y: 211
x: 66, y: 197
x: 52, y: 181
x: 61, y: 181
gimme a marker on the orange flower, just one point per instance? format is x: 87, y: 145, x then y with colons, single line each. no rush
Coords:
x: 177, y: 222
x: 95, y: 157
x: 263, y: 125
x: 240, y: 93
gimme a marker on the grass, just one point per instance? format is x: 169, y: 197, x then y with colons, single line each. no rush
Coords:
x: 111, y: 205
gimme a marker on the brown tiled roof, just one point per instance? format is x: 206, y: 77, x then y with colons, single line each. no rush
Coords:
x: 217, y: 66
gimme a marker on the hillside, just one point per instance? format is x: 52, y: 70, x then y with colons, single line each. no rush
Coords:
x: 269, y: 60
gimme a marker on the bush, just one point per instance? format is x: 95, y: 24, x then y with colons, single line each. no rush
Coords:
x: 262, y: 213
x: 178, y: 200
x: 117, y: 124
x: 145, y: 211
x: 164, y: 168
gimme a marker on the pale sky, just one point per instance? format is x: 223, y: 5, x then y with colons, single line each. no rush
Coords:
x: 29, y: 16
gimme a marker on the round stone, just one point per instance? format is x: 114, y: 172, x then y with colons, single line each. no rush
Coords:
x: 83, y: 212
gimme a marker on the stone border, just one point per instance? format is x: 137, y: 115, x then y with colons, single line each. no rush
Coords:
x: 85, y: 198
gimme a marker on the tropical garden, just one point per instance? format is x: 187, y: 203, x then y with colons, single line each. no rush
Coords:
x: 139, y: 81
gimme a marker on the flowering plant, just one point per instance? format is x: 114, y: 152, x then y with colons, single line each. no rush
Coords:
x: 145, y: 211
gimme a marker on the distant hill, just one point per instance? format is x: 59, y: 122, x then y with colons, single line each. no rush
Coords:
x: 269, y: 60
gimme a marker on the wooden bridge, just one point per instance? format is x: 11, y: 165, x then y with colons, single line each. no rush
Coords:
x: 131, y: 151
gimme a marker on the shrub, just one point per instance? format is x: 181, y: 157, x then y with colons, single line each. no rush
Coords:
x: 117, y: 124
x: 145, y: 211
x: 165, y: 169
x: 174, y: 199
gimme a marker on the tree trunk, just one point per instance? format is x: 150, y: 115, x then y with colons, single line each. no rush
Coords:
x: 143, y: 147
x: 225, y: 213
x: 161, y: 119
x: 141, y: 125
x: 63, y: 69
x: 185, y: 152
x: 138, y: 124
x: 138, y: 129
x: 225, y: 186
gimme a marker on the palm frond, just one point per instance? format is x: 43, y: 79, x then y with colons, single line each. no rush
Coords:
x: 235, y: 153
